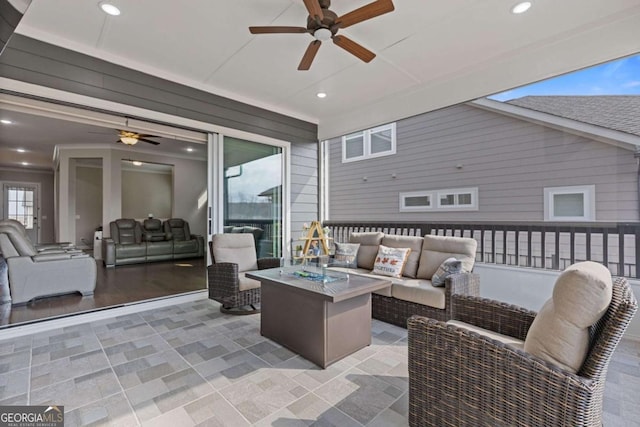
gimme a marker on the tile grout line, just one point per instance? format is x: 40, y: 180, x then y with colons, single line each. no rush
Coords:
x: 122, y: 390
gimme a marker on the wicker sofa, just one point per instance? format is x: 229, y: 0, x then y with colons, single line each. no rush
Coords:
x: 414, y: 293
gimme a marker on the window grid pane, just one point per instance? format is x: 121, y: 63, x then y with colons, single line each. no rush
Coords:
x: 381, y: 141
x: 20, y: 206
x: 354, y: 146
x: 414, y: 201
x: 568, y: 205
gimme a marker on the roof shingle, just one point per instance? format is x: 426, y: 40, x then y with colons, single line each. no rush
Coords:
x: 617, y: 112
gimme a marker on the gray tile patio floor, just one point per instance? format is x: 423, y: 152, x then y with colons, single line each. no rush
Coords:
x: 189, y: 365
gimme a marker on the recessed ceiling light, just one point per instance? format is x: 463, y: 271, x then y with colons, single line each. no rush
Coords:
x: 521, y: 7
x: 108, y: 8
x: 137, y: 163
x: 321, y: 95
x: 6, y: 122
x: 190, y: 149
x: 21, y: 150
x: 25, y: 164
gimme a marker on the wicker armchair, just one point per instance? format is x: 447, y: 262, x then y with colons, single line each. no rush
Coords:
x: 460, y: 378
x: 233, y: 255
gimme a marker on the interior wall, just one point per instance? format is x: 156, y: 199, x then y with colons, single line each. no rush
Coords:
x: 46, y: 217
x: 88, y: 203
x: 146, y: 193
x: 189, y: 184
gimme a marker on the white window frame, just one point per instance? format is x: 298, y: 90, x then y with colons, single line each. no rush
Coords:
x: 366, y: 140
x: 435, y: 195
x: 589, y: 202
x: 404, y: 208
x: 473, y: 206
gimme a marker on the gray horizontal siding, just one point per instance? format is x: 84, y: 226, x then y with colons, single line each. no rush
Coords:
x: 510, y: 161
x: 304, y: 185
x: 40, y: 63
x: 9, y: 19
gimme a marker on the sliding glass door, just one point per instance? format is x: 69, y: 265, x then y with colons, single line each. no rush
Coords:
x: 252, y: 190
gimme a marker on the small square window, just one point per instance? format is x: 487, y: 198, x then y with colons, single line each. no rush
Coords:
x: 570, y: 203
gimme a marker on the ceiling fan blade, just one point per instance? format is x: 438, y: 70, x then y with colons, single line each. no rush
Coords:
x: 371, y: 10
x: 148, y: 141
x: 313, y: 6
x: 309, y: 54
x: 354, y: 48
x: 277, y: 30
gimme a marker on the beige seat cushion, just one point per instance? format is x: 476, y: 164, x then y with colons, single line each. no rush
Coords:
x: 419, y: 291
x: 244, y: 283
x: 505, y: 339
x: 560, y: 332
x: 369, y: 242
x: 436, y: 249
x: 412, y: 242
x: 235, y: 248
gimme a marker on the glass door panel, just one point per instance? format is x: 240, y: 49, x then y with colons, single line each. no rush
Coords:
x: 252, y: 193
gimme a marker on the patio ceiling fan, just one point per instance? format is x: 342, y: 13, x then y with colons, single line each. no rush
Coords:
x: 324, y: 24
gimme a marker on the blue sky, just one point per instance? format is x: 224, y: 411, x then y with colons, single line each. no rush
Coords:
x: 619, y: 77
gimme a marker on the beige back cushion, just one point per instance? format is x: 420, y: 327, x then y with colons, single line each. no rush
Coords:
x: 436, y: 249
x: 369, y: 242
x: 235, y: 248
x: 560, y: 332
x: 412, y: 242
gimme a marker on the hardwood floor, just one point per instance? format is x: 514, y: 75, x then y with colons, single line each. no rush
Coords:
x: 115, y: 287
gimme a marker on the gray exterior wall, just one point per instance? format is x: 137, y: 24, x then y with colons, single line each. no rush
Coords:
x: 304, y: 186
x: 509, y: 160
x: 9, y: 19
x: 39, y: 63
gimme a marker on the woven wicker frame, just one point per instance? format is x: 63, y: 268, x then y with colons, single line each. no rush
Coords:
x: 397, y: 312
x: 459, y: 378
x: 223, y: 284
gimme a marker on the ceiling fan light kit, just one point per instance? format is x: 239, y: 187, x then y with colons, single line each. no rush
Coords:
x: 128, y: 140
x: 131, y: 138
x: 323, y: 24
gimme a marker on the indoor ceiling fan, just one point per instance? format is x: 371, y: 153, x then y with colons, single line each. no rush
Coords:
x: 131, y: 138
x: 323, y: 24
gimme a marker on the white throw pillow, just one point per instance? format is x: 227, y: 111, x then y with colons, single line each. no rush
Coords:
x: 390, y: 261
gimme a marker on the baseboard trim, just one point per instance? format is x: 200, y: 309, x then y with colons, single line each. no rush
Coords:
x: 9, y: 331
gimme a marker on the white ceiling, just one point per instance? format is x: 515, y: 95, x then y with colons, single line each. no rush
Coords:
x: 430, y: 54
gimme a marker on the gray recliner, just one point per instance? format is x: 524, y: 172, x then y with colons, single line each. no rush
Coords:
x: 125, y: 245
x: 185, y: 244
x: 35, y: 274
x: 40, y: 247
x: 159, y: 243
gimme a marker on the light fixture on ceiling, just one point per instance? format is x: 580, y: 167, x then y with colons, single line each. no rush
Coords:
x: 6, y: 122
x: 21, y: 150
x: 190, y: 149
x: 321, y: 95
x: 25, y: 164
x: 129, y: 140
x: 137, y: 163
x: 109, y: 8
x: 322, y: 34
x: 521, y: 7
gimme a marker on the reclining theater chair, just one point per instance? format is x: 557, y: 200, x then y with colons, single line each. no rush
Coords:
x: 233, y: 255
x: 35, y: 274
x: 496, y: 364
x: 185, y: 244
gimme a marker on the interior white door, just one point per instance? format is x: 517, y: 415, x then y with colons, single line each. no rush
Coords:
x: 21, y: 203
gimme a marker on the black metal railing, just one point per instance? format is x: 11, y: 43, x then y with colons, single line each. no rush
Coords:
x: 537, y: 244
